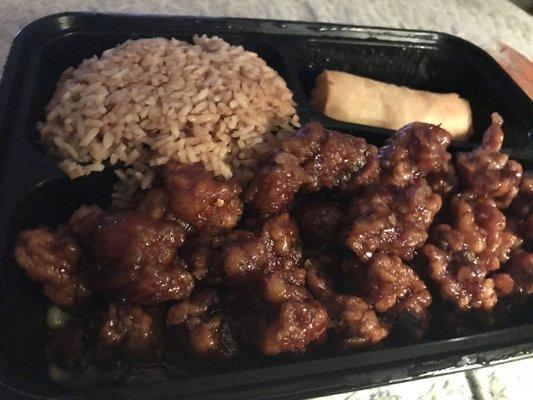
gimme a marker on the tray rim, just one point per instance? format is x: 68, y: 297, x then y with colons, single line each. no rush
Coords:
x: 344, y: 29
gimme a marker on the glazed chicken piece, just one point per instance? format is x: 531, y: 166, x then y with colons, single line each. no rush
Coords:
x: 485, y: 172
x: 288, y: 325
x: 241, y: 257
x: 394, y: 289
x: 127, y: 331
x: 135, y: 258
x: 296, y: 325
x: 282, y: 241
x: 196, y: 196
x: 416, y: 151
x: 393, y: 215
x: 392, y: 220
x: 213, y: 337
x: 463, y: 254
x: 352, y: 321
x: 281, y: 316
x: 311, y: 160
x: 275, y: 184
x: 206, y: 328
x: 53, y: 258
x: 342, y: 161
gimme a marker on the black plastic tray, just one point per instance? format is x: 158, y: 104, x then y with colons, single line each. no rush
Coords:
x: 34, y: 192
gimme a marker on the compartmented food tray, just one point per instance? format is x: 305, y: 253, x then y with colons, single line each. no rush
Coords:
x: 33, y: 191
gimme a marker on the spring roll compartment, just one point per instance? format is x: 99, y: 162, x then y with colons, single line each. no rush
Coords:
x: 431, y: 67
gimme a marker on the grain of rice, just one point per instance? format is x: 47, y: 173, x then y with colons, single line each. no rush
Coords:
x: 89, y: 136
x: 199, y: 107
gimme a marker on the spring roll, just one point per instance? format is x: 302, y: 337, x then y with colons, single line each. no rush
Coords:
x: 351, y: 98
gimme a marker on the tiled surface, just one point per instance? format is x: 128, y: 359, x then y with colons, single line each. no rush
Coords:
x: 447, y: 387
x: 511, y: 381
x: 484, y: 22
x: 507, y: 381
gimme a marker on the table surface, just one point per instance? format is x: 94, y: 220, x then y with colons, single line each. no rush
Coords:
x: 483, y: 22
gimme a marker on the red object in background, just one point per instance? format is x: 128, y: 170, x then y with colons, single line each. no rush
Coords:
x: 518, y: 66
